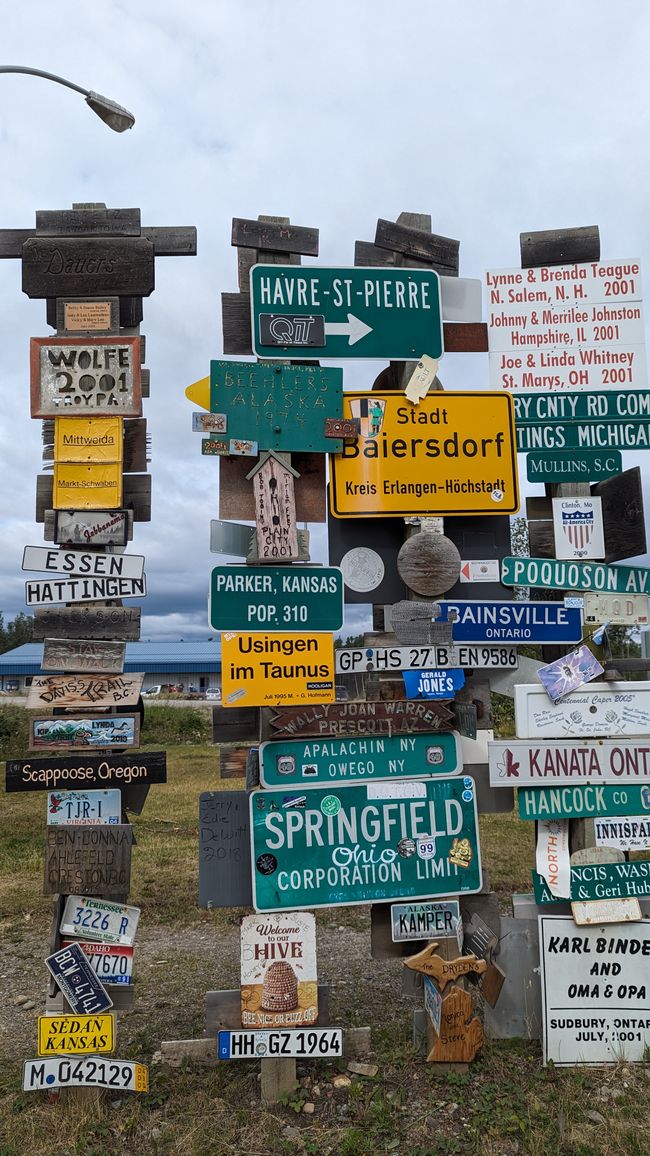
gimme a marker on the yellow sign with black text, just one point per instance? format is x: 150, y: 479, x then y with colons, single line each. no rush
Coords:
x: 276, y: 669
x: 87, y: 487
x: 72, y: 1035
x: 88, y: 439
x: 453, y: 453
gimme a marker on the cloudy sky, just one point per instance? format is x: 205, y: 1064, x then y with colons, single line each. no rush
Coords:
x: 493, y: 117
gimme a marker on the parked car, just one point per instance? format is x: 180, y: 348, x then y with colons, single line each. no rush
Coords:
x: 153, y: 690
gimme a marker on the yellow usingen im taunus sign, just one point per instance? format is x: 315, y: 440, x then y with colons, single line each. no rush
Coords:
x: 88, y: 439
x: 453, y: 453
x: 79, y: 486
x: 76, y: 1035
x: 276, y: 669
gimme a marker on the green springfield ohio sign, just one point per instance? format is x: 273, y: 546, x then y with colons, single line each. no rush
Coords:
x: 560, y: 575
x: 337, y: 846
x: 306, y: 314
x: 291, y: 762
x: 276, y: 598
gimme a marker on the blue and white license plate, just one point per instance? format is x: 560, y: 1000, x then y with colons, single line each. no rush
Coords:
x: 312, y: 1043
x: 84, y: 808
x: 89, y: 1072
x: 110, y: 962
x: 83, y: 990
x: 87, y: 918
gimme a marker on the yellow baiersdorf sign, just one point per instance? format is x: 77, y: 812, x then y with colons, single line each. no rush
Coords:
x: 276, y: 669
x: 454, y: 453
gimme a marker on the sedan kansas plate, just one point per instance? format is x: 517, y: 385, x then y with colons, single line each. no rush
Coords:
x: 98, y: 919
x: 73, y: 1035
x: 314, y: 1043
x: 59, y: 1072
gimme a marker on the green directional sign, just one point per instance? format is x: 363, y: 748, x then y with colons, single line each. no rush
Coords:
x: 604, y: 436
x: 281, y: 407
x: 548, y: 409
x: 336, y: 845
x: 556, y: 466
x: 600, y: 881
x: 585, y: 801
x: 306, y: 314
x: 561, y: 575
x: 297, y: 762
x: 283, y: 598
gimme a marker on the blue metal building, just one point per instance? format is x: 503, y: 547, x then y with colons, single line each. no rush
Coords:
x: 172, y: 664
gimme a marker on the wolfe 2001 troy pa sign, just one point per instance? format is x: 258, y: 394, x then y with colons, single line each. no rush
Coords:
x: 294, y: 762
x: 276, y: 669
x: 351, y: 660
x: 522, y: 763
x: 513, y: 622
x: 454, y: 453
x: 276, y: 597
x: 348, y: 845
x: 599, y: 708
x: 305, y: 314
x: 100, y: 376
x: 561, y: 575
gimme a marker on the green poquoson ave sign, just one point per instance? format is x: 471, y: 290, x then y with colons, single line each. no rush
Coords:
x: 586, y: 801
x: 336, y: 846
x: 345, y: 312
x: 561, y: 575
x: 298, y: 762
x: 276, y: 598
x: 600, y: 881
x: 573, y: 465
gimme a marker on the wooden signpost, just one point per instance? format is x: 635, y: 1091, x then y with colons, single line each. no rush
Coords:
x: 89, y: 690
x: 88, y: 860
x: 83, y: 622
x: 68, y: 772
x: 396, y: 717
x: 461, y: 1033
x: 67, y: 654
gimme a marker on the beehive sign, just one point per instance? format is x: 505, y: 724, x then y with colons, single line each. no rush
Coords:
x: 278, y: 970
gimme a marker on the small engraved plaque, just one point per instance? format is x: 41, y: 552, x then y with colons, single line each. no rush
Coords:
x: 84, y: 316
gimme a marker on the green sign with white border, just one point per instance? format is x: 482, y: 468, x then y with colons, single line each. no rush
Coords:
x: 385, y: 842
x: 555, y: 466
x: 297, y: 762
x: 284, y: 598
x: 583, y: 801
x: 600, y: 881
x: 558, y: 574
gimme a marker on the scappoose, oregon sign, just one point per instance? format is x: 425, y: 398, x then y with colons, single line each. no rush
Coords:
x: 337, y: 846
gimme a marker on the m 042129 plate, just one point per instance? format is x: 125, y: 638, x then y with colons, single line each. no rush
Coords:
x: 311, y: 1043
x: 60, y: 1072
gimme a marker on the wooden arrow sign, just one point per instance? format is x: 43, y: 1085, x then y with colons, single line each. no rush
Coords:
x: 443, y: 970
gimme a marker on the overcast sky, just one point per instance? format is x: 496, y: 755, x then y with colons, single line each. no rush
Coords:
x: 493, y: 117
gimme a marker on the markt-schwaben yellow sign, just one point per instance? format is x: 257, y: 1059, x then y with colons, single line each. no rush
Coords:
x: 276, y: 669
x: 79, y: 486
x: 454, y: 453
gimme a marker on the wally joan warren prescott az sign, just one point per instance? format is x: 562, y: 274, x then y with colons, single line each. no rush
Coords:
x: 337, y: 846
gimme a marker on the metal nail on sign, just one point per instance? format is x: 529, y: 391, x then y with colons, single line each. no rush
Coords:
x: 276, y: 598
x: 291, y: 762
x: 305, y: 314
x: 339, y: 846
x: 98, y: 376
x: 522, y: 763
x: 454, y: 453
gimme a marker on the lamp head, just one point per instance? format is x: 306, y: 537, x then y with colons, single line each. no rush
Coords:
x: 116, y: 117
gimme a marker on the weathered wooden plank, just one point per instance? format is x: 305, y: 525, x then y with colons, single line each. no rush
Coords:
x: 93, y: 655
x: 12, y: 241
x: 275, y: 510
x: 236, y: 500
x: 136, y: 496
x: 623, y: 516
x: 80, y: 622
x: 283, y: 238
x: 70, y: 222
x: 90, y: 527
x: 232, y: 762
x: 342, y: 719
x: 135, y: 445
x: 172, y: 240
x: 541, y: 538
x: 236, y: 323
x: 238, y: 724
x: 365, y: 253
x: 465, y: 337
x: 145, y: 382
x: 418, y: 243
x: 559, y: 246
x: 76, y: 266
x: 87, y: 860
x: 133, y: 769
x: 84, y: 690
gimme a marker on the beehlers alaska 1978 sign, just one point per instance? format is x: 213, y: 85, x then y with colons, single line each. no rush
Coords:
x: 454, y: 453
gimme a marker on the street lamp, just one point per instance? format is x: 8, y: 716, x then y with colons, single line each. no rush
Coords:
x: 112, y: 114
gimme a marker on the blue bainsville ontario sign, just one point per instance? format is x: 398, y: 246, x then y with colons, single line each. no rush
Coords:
x: 513, y: 622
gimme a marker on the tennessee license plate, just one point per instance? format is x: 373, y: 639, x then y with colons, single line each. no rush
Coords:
x: 91, y: 1072
x: 98, y: 919
x: 315, y: 1043
x: 110, y: 962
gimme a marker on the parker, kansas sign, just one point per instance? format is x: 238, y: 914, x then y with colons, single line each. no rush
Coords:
x: 561, y: 575
x: 293, y: 762
x: 454, y: 453
x: 520, y: 763
x: 598, y: 708
x: 350, y: 845
x: 305, y: 314
x: 513, y: 622
x: 276, y: 598
x: 98, y: 376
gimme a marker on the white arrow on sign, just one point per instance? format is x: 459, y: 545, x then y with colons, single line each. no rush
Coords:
x: 354, y: 329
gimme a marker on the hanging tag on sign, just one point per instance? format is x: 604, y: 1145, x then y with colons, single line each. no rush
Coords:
x: 421, y: 379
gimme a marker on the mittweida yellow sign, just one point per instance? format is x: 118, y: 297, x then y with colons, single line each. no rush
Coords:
x: 454, y: 453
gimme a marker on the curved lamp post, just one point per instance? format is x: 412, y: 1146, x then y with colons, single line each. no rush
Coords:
x: 112, y: 114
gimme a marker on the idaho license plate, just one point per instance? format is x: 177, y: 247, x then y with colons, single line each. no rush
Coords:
x: 313, y: 1043
x: 91, y: 1072
x: 110, y: 962
x: 99, y: 919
